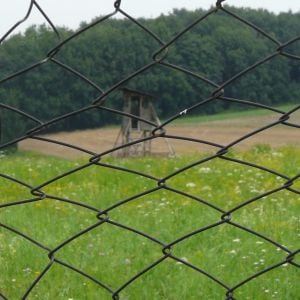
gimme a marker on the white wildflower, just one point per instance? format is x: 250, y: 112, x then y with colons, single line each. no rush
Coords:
x: 206, y: 188
x: 236, y: 240
x: 237, y: 190
x: 27, y: 270
x: 182, y: 258
x: 204, y: 170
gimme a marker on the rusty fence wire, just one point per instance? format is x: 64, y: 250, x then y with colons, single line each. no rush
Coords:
x: 103, y: 214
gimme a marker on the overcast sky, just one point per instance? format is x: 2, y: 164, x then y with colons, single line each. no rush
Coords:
x: 71, y: 12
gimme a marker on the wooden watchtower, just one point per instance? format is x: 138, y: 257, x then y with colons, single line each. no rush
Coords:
x: 140, y: 105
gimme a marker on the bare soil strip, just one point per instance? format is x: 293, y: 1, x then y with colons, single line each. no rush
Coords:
x: 221, y: 132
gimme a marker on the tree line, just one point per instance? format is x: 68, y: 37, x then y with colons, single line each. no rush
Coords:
x: 217, y: 49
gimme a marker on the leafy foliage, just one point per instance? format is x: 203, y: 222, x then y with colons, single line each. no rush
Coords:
x: 217, y: 48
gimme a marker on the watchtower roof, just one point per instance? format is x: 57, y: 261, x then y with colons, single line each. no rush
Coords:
x: 136, y: 92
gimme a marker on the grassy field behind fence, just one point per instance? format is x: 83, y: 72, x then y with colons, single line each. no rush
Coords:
x: 233, y: 115
x: 113, y: 255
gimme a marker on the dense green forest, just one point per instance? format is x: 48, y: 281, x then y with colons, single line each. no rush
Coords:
x: 216, y: 48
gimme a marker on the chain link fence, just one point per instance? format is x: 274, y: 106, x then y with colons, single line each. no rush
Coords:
x: 226, y: 217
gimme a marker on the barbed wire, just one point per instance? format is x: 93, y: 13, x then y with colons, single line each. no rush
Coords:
x: 103, y: 215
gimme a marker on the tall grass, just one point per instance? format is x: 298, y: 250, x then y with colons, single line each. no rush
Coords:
x: 113, y: 255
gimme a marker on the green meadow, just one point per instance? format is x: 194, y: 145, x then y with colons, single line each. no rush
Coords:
x: 233, y: 115
x: 113, y: 255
